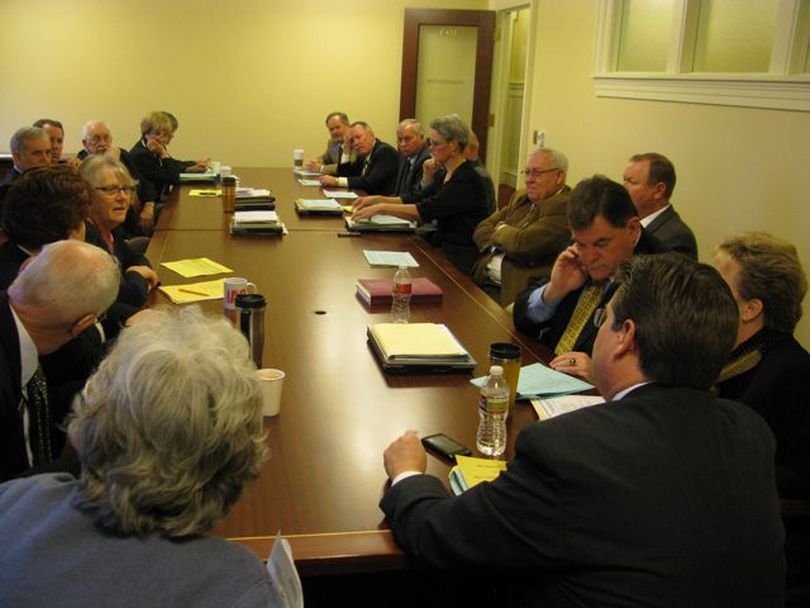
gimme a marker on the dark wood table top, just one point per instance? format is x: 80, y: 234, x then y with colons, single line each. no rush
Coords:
x: 339, y: 411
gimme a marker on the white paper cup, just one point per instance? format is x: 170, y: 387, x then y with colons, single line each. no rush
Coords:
x: 214, y: 166
x: 271, y: 381
x: 224, y: 171
x: 298, y: 158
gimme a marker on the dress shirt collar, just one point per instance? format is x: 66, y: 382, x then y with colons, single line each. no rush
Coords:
x: 623, y: 393
x: 29, y: 358
x: 649, y: 219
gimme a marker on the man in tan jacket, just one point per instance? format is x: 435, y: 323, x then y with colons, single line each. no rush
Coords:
x: 520, y: 242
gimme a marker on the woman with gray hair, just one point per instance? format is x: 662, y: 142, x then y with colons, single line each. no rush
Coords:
x: 458, y: 204
x: 168, y: 431
x: 112, y: 187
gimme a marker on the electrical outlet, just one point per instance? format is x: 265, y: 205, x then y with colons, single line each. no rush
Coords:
x: 540, y: 138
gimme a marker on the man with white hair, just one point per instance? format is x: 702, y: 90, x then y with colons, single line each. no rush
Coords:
x: 57, y: 295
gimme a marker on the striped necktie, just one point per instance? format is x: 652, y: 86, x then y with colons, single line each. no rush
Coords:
x: 588, y: 302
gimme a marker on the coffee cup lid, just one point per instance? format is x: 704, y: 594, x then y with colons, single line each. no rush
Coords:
x: 250, y: 300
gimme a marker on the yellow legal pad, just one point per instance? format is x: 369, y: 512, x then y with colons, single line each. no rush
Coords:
x: 416, y: 340
x: 196, y: 267
x: 195, y: 292
x: 470, y: 471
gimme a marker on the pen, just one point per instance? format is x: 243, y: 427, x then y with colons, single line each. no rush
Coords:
x: 196, y: 293
x: 347, y: 234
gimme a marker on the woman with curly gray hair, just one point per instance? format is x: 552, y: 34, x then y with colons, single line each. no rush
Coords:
x: 168, y: 430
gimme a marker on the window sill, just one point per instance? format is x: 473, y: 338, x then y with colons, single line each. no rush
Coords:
x: 760, y: 91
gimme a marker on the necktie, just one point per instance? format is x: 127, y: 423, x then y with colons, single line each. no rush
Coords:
x: 587, y: 304
x: 39, y: 414
x: 365, y: 164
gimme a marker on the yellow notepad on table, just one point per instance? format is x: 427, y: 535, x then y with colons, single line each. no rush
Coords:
x: 196, y: 267
x: 195, y: 292
x: 417, y: 340
x: 470, y: 471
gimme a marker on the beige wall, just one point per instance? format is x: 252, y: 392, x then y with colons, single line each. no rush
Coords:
x: 249, y: 80
x: 738, y: 168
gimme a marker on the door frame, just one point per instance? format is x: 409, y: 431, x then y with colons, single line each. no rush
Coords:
x: 485, y: 22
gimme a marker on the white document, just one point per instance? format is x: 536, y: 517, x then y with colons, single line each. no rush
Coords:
x: 281, y: 568
x: 255, y: 217
x: 548, y: 408
x: 309, y: 182
x: 394, y: 259
x: 340, y: 194
x: 306, y: 173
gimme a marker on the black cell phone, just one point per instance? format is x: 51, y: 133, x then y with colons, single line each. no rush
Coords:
x: 443, y: 445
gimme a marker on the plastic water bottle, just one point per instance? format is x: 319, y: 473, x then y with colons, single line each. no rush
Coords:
x: 493, y: 408
x: 401, y: 301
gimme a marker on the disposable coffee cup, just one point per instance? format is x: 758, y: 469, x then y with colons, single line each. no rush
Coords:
x: 298, y: 158
x: 214, y: 167
x: 224, y: 171
x: 271, y: 382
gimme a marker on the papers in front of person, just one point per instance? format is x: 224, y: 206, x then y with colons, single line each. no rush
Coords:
x: 254, y: 194
x: 256, y: 222
x: 306, y: 173
x: 380, y: 223
x: 389, y: 259
x: 309, y: 182
x: 196, y: 267
x: 204, y: 193
x: 537, y: 379
x: 318, y: 205
x: 199, y: 177
x: 281, y: 569
x: 548, y: 408
x: 194, y: 292
x: 417, y: 341
x: 340, y: 194
x: 470, y: 471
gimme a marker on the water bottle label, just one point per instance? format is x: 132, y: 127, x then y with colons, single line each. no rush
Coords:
x: 494, y: 405
x: 402, y: 289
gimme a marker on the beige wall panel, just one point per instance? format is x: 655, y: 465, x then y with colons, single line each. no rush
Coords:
x: 249, y: 80
x: 738, y: 168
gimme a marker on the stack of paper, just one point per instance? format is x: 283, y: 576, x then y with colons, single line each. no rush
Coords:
x: 322, y: 206
x: 393, y: 259
x: 199, y: 177
x: 347, y: 194
x: 256, y: 222
x: 470, y: 471
x: 548, y: 408
x: 418, y: 347
x: 196, y: 267
x: 380, y: 223
x: 194, y: 292
x: 306, y: 173
x: 537, y: 379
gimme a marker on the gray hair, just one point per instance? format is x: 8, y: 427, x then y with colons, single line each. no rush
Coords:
x: 557, y: 158
x: 69, y: 279
x: 414, y: 124
x: 452, y: 128
x: 94, y: 164
x: 23, y: 135
x: 169, y: 428
x: 89, y: 125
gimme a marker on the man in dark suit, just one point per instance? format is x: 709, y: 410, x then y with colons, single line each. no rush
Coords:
x: 606, y: 231
x: 413, y: 150
x: 650, y: 180
x: 375, y: 168
x: 664, y: 496
x: 337, y: 123
x: 30, y: 147
x: 59, y: 294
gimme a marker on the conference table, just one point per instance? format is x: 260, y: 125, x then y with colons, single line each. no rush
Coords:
x: 322, y: 484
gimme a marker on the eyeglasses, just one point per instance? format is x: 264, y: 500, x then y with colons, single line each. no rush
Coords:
x: 116, y: 189
x: 599, y: 316
x: 537, y: 172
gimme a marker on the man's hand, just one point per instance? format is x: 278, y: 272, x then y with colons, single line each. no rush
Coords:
x: 200, y: 166
x: 158, y: 148
x: 567, y: 275
x: 146, y: 219
x: 328, y: 180
x: 313, y: 164
x: 573, y: 364
x: 147, y: 273
x: 405, y: 454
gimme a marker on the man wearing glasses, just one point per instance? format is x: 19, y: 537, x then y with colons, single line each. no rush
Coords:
x: 606, y: 231
x: 520, y: 242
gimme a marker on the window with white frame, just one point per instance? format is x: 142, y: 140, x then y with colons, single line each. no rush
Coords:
x: 753, y: 53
